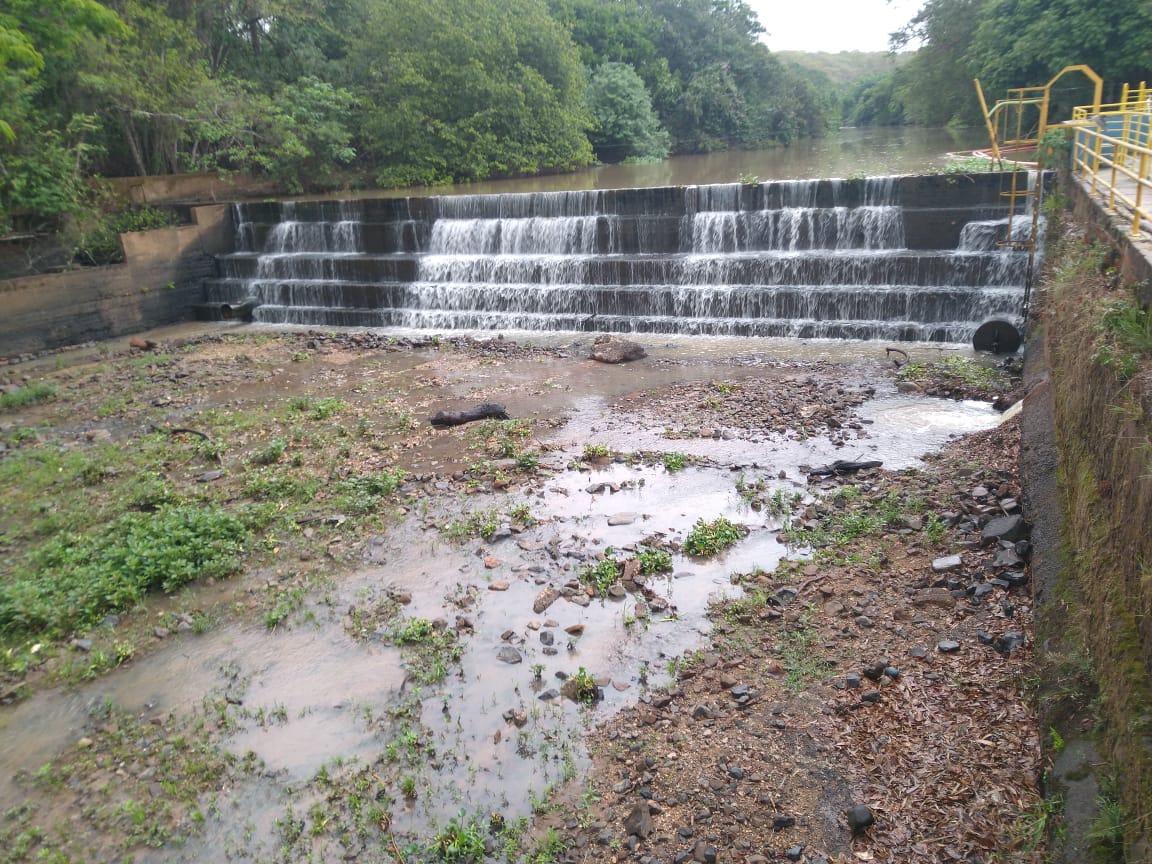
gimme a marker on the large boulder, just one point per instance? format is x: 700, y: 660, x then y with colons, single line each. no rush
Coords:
x: 613, y: 349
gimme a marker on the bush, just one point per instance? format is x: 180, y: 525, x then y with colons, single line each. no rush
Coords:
x: 710, y: 538
x: 75, y: 580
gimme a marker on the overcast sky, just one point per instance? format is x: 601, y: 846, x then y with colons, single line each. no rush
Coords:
x: 832, y: 25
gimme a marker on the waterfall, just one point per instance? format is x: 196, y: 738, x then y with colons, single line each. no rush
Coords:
x: 878, y: 258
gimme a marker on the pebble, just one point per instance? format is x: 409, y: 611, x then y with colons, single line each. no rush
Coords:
x: 574, y: 629
x: 859, y: 818
x: 491, y: 563
x: 547, y: 637
x: 947, y: 646
x: 623, y: 518
x: 508, y: 654
x: 545, y: 599
x: 951, y: 562
x: 498, y: 585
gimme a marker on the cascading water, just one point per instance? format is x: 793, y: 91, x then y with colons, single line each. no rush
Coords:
x: 814, y: 258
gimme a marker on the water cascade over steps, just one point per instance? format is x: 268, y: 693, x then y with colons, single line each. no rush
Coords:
x: 896, y: 258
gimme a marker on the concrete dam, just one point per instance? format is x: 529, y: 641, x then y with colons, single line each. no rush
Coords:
x: 915, y: 258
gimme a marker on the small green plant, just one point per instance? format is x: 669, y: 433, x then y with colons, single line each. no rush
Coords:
x: 1127, y: 332
x: 1033, y: 825
x: 956, y: 373
x: 479, y: 523
x: 537, y: 671
x: 521, y: 513
x: 711, y: 538
x: 593, y: 452
x: 550, y: 849
x: 271, y: 454
x: 23, y: 397
x: 674, y: 462
x: 654, y: 561
x: 1107, y: 832
x: 601, y: 575
x: 747, y: 179
x: 461, y: 840
x: 935, y: 529
x: 801, y: 663
x: 430, y: 649
x: 408, y: 786
x: 583, y: 688
x: 1056, y: 740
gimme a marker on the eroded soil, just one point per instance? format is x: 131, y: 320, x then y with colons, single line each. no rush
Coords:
x: 502, y: 640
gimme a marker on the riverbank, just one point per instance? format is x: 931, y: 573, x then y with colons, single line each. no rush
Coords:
x: 365, y: 616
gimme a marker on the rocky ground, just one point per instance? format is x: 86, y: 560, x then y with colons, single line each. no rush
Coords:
x: 395, y: 642
x: 870, y: 705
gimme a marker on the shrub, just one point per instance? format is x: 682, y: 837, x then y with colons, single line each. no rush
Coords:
x: 73, y: 581
x: 710, y: 538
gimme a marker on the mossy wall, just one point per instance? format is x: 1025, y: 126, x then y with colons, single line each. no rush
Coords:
x: 1104, y: 441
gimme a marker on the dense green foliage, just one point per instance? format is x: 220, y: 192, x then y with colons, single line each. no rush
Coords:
x: 318, y: 93
x: 624, y: 124
x: 1004, y: 43
x: 73, y: 580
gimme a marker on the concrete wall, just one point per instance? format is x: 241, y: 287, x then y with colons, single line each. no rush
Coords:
x: 175, y: 188
x: 156, y: 285
x: 1093, y: 578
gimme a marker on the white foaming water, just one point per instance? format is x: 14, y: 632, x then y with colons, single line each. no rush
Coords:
x: 809, y: 258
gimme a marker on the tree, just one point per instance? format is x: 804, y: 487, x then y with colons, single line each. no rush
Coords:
x: 464, y: 89
x: 624, y: 124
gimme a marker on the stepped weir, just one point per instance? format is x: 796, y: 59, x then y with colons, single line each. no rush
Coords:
x: 895, y: 258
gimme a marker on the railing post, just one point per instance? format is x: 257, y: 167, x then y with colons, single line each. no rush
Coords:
x: 1140, y: 181
x: 1096, y: 158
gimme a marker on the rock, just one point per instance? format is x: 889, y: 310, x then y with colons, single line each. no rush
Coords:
x: 1009, y: 642
x: 950, y: 562
x: 940, y: 597
x: 638, y: 822
x: 508, y: 654
x: 735, y: 772
x: 547, y: 637
x: 704, y: 853
x: 141, y: 344
x: 864, y: 621
x: 781, y: 822
x: 491, y: 563
x: 918, y: 651
x: 859, y: 818
x: 161, y: 633
x: 85, y: 743
x: 574, y: 629
x: 616, y: 591
x: 498, y: 585
x: 517, y: 718
x: 545, y: 599
x: 1005, y: 528
x: 794, y: 853
x: 613, y: 349
x: 851, y: 681
x: 947, y: 646
x: 623, y: 518
x: 81, y: 645
x: 1006, y: 558
x: 549, y: 695
x: 102, y: 435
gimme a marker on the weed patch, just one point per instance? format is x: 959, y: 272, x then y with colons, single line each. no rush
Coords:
x: 23, y: 397
x: 711, y: 538
x: 74, y: 580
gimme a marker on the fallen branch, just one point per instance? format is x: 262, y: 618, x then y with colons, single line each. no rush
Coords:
x: 445, y: 419
x: 183, y: 430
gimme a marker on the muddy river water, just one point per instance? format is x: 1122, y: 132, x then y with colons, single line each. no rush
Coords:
x: 330, y: 690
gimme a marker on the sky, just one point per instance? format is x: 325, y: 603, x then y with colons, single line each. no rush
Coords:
x: 832, y: 25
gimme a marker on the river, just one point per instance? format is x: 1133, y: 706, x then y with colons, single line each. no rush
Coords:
x: 843, y: 153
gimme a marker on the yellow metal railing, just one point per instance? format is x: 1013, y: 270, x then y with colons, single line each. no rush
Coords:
x: 1112, y: 152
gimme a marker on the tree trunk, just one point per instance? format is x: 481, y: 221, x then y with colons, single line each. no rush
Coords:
x: 133, y: 145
